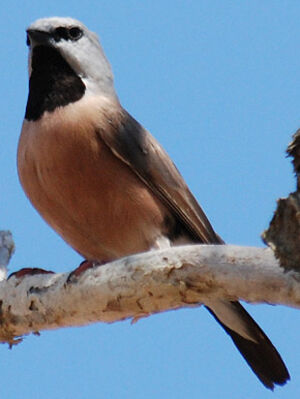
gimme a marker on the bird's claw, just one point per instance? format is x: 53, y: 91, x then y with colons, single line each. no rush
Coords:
x: 29, y: 271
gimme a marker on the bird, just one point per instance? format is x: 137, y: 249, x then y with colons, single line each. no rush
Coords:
x: 103, y: 182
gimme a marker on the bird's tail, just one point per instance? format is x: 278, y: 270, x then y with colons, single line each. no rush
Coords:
x: 251, y: 341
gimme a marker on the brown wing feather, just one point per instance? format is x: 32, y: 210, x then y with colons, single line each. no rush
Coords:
x: 144, y: 155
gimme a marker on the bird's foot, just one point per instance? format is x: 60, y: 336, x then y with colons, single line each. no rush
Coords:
x: 29, y: 271
x: 85, y: 265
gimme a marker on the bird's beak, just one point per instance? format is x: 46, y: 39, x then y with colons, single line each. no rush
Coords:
x: 38, y: 37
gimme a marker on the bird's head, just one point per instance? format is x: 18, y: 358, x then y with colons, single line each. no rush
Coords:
x: 67, y: 41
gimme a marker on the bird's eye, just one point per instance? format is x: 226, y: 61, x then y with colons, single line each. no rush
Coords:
x: 60, y: 33
x: 75, y: 33
x: 27, y: 40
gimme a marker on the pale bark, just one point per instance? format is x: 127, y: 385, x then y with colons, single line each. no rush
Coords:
x: 143, y: 284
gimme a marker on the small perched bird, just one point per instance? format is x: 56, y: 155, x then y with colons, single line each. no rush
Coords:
x: 103, y: 182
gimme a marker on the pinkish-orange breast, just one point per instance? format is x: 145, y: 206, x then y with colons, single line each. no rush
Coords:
x: 90, y: 197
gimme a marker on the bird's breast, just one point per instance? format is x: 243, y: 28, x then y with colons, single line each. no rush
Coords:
x: 89, y: 196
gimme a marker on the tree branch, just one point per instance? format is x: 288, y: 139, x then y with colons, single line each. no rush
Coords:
x: 143, y: 284
x: 7, y: 248
x: 283, y: 233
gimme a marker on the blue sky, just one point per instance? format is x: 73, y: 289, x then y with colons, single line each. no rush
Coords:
x: 218, y: 84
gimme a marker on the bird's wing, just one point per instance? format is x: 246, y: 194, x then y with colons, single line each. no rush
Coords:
x: 135, y: 146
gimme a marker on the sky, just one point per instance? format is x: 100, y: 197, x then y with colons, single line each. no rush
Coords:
x: 218, y: 84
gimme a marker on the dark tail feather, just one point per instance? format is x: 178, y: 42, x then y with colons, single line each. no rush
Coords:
x: 261, y: 355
